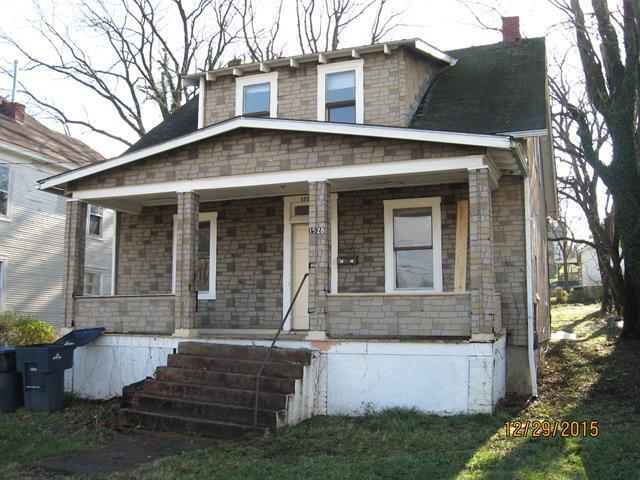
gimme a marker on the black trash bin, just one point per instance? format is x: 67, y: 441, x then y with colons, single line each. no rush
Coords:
x: 42, y: 367
x: 10, y: 385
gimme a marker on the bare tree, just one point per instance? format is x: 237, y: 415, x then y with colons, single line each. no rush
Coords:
x: 262, y: 42
x: 141, y: 60
x: 579, y: 183
x: 608, y: 43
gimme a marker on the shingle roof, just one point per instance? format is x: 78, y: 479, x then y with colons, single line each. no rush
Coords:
x: 34, y: 136
x: 183, y: 121
x: 491, y: 89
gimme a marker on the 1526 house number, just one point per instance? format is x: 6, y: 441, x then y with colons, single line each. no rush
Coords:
x: 317, y: 230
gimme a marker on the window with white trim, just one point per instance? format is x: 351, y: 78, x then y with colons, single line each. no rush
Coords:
x: 413, y: 244
x: 257, y: 95
x: 205, y: 255
x: 341, y: 92
x: 92, y: 282
x: 4, y: 190
x: 95, y: 220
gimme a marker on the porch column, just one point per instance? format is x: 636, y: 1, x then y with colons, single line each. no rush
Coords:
x: 319, y: 253
x: 481, y: 274
x: 186, y: 242
x: 75, y: 237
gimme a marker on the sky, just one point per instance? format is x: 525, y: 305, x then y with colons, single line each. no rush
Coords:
x: 446, y: 24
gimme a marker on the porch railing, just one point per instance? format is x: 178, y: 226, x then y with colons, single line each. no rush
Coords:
x: 273, y: 343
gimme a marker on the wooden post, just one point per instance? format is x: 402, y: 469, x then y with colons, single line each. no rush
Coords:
x: 462, y: 240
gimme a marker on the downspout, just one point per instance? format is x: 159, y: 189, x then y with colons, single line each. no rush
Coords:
x: 530, y: 319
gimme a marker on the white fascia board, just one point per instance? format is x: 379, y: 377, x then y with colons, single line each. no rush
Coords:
x: 527, y: 133
x: 432, y: 51
x: 292, y: 176
x: 398, y: 133
x: 25, y: 152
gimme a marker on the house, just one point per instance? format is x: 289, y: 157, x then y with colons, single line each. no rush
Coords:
x: 412, y: 185
x: 589, y: 268
x: 32, y: 222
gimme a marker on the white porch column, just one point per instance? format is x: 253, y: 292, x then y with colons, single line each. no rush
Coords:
x: 75, y: 239
x: 186, y: 242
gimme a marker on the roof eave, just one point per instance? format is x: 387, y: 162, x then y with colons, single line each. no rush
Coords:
x: 376, y: 131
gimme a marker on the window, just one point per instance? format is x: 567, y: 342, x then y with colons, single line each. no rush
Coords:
x: 206, y: 256
x: 413, y: 249
x: 257, y: 95
x: 95, y: 220
x: 341, y: 92
x: 4, y: 190
x: 92, y: 282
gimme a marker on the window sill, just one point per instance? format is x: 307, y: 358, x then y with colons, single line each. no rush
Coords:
x: 206, y: 296
x: 96, y: 237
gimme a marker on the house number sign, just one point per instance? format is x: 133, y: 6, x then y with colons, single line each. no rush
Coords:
x: 317, y: 230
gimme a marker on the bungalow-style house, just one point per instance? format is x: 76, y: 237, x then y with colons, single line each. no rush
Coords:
x: 32, y: 221
x: 401, y: 190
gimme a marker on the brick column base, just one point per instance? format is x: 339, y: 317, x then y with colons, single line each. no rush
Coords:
x: 186, y: 244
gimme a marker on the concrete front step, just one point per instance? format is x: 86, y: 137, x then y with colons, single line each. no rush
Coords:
x: 232, y: 365
x: 129, y: 418
x: 206, y: 410
x: 245, y: 352
x: 229, y: 396
x: 223, y: 379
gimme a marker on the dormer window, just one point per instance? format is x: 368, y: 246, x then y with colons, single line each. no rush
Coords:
x: 257, y: 95
x: 341, y: 92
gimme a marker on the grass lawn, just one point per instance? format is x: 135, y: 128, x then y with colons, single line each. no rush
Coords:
x: 588, y: 379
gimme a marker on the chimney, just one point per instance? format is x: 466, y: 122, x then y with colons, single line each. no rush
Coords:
x: 13, y: 110
x: 510, y: 29
x: 235, y: 62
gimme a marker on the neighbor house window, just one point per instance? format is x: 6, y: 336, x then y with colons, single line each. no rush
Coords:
x: 92, y: 282
x: 413, y: 247
x: 257, y: 95
x: 4, y: 190
x: 205, y: 255
x: 95, y: 221
x: 341, y: 92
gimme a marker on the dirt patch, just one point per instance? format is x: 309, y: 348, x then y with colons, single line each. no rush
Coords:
x: 122, y: 453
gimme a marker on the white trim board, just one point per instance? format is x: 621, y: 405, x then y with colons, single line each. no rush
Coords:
x: 381, y: 169
x: 489, y: 141
x: 436, y: 240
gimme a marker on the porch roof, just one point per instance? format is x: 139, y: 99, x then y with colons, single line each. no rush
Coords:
x: 508, y: 154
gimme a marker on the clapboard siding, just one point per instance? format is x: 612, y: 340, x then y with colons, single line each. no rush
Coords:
x: 32, y: 243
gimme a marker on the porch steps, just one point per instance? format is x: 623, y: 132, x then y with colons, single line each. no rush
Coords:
x: 209, y: 389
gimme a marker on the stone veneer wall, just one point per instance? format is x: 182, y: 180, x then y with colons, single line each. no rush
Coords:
x: 126, y: 314
x: 384, y: 315
x: 257, y: 151
x: 509, y: 257
x: 389, y: 89
x: 361, y: 232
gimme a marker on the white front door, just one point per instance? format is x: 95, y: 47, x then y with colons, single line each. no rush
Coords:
x: 300, y: 266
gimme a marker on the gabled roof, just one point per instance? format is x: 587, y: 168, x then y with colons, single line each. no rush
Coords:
x: 499, y: 88
x: 32, y: 136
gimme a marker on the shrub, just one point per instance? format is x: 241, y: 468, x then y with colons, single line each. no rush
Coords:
x: 561, y: 295
x: 19, y: 329
x: 586, y: 295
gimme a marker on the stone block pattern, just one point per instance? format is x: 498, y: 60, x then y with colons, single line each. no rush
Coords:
x: 127, y: 314
x: 389, y: 89
x: 249, y: 265
x: 319, y: 252
x: 251, y: 151
x: 361, y: 232
x: 75, y: 241
x: 509, y: 257
x: 446, y: 315
x: 481, y: 252
x: 185, y: 252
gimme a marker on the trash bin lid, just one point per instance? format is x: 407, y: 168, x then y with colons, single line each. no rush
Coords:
x: 81, y: 337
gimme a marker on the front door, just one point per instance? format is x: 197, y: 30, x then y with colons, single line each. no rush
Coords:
x: 300, y: 266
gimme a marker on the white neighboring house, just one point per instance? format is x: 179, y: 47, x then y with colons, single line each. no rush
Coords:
x: 32, y: 222
x: 589, y: 269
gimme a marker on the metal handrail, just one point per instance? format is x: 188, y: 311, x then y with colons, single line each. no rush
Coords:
x: 273, y: 342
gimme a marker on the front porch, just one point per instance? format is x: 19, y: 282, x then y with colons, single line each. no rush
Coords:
x: 226, y: 261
